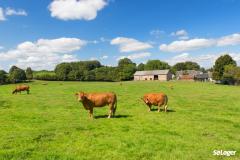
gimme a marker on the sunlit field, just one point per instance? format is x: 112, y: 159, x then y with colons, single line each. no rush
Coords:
x: 49, y: 123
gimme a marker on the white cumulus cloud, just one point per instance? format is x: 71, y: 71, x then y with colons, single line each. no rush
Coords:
x: 76, y: 9
x: 197, y: 43
x: 43, y: 54
x: 233, y: 39
x: 19, y: 12
x: 206, y: 60
x: 2, y: 17
x: 104, y: 57
x: 181, y: 46
x: 130, y: 44
x: 4, y: 13
x: 181, y: 34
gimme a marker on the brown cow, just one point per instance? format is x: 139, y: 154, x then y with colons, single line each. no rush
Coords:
x: 156, y: 99
x: 91, y: 100
x: 21, y: 88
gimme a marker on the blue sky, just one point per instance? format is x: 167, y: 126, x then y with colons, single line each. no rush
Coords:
x: 41, y: 34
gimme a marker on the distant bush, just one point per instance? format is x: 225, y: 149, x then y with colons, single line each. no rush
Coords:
x: 16, y: 75
x: 76, y: 71
x: 3, y: 77
x: 218, y: 68
x: 231, y: 75
x: 45, y: 75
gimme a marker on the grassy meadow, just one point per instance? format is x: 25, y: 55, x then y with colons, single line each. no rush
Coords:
x: 49, y: 123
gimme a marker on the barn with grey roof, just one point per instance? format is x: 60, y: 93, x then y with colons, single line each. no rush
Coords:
x: 161, y: 75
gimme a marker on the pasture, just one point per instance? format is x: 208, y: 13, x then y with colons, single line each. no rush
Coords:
x: 49, y: 123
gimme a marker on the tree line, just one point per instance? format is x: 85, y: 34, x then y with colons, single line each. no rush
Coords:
x: 224, y: 70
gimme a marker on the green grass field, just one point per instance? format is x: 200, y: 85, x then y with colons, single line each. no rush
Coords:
x: 50, y: 123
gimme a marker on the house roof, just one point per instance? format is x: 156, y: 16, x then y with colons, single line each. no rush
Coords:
x: 188, y: 72
x: 202, y: 76
x: 153, y: 72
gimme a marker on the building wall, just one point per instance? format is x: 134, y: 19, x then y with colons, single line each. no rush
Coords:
x: 151, y: 77
x: 144, y: 78
x: 162, y: 77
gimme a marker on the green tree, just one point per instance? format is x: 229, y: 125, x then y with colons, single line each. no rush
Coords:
x: 156, y: 65
x: 89, y: 75
x: 220, y: 63
x: 76, y: 71
x: 45, y: 75
x: 231, y: 74
x: 181, y: 66
x: 17, y: 75
x: 124, y: 62
x: 12, y: 69
x: 126, y: 69
x: 101, y: 74
x: 3, y: 77
x: 192, y: 65
x: 140, y: 67
x: 29, y: 73
x: 62, y: 70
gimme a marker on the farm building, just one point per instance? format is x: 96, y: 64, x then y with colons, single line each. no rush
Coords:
x: 161, y: 75
x: 187, y: 74
x: 201, y: 77
x: 193, y: 75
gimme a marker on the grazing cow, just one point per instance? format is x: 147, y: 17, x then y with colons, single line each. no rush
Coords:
x: 21, y: 88
x: 91, y: 100
x: 156, y: 99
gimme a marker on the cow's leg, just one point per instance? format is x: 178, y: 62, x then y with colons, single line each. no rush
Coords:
x: 159, y: 106
x: 150, y: 107
x: 110, y: 112
x: 91, y: 113
x: 27, y: 91
x: 165, y: 108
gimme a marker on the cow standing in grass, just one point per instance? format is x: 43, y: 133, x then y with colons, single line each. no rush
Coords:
x: 156, y: 99
x: 92, y: 100
x: 21, y: 88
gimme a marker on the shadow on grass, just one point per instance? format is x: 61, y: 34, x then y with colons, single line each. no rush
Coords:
x: 19, y: 94
x: 162, y: 110
x: 116, y: 116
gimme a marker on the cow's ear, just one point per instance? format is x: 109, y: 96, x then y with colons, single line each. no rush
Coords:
x: 76, y: 94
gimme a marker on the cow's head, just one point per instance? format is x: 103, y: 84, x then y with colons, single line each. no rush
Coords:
x: 14, y: 91
x: 80, y: 96
x: 145, y: 100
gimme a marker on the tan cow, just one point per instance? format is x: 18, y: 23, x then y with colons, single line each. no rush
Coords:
x: 21, y: 88
x: 92, y: 100
x: 156, y: 99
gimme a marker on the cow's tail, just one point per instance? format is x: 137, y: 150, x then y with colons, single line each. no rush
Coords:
x: 115, y: 107
x: 166, y: 103
x: 166, y: 100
